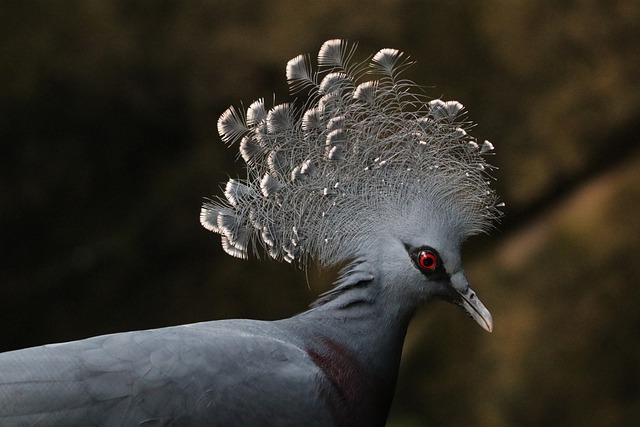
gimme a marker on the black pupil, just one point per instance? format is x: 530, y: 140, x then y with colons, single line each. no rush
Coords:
x: 427, y: 260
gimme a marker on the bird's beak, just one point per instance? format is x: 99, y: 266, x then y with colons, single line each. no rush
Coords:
x: 477, y: 310
x: 471, y: 303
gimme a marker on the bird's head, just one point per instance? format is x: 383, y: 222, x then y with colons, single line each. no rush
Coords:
x: 365, y: 169
x: 421, y: 265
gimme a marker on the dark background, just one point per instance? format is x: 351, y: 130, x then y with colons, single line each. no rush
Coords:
x: 108, y: 147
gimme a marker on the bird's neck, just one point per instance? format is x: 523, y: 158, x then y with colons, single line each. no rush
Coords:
x: 369, y: 333
x: 364, y: 317
x: 356, y: 336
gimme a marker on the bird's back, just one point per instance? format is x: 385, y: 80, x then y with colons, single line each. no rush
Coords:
x: 237, y: 372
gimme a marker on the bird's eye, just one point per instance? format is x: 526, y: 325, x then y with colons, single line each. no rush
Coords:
x: 427, y: 260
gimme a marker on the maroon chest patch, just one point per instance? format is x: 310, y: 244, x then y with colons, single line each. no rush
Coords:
x: 357, y: 397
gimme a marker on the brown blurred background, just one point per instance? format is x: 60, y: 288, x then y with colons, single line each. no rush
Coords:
x: 108, y: 146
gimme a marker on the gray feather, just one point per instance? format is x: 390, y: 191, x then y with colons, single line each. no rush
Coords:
x: 212, y: 373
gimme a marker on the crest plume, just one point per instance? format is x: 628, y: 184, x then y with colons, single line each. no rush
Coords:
x: 367, y: 153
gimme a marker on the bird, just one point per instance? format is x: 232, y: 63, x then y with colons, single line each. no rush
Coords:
x: 362, y: 171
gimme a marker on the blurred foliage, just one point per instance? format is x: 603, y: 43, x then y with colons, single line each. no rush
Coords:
x: 108, y: 147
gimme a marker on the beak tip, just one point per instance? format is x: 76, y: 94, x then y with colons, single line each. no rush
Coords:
x: 489, y: 328
x: 488, y: 322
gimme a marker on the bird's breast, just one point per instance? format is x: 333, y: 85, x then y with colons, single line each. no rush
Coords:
x: 356, y: 395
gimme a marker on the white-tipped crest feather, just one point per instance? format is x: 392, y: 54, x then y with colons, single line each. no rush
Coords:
x: 366, y: 92
x: 280, y: 119
x: 334, y: 82
x: 231, y: 125
x: 249, y: 150
x: 368, y: 153
x: 256, y: 112
x: 386, y: 60
x: 332, y: 54
x: 299, y: 73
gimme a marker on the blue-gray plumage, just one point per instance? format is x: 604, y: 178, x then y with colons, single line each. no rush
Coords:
x: 394, y: 211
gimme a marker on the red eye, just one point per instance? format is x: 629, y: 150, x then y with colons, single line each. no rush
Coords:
x: 427, y: 260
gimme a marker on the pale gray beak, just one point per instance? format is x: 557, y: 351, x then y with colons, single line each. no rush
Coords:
x: 470, y: 301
